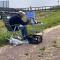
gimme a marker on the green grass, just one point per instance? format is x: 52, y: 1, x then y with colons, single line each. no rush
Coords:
x: 52, y: 18
x: 49, y: 18
x: 4, y: 35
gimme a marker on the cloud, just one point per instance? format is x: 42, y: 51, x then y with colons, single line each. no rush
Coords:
x: 34, y: 3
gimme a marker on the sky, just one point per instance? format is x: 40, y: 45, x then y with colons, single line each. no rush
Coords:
x: 33, y: 3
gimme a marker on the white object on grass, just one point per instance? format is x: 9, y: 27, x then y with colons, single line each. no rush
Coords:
x: 16, y: 42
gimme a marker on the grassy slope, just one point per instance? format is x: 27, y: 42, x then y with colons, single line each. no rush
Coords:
x: 49, y: 19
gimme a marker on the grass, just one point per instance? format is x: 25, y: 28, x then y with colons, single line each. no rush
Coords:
x: 3, y: 34
x: 49, y: 18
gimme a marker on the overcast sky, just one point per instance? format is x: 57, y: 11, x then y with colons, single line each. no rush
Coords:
x: 34, y: 3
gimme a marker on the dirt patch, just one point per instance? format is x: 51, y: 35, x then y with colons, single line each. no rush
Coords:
x: 49, y: 49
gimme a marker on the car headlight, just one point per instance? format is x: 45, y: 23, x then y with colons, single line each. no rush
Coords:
x: 8, y: 17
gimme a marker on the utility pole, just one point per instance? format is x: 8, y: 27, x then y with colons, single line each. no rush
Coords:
x: 58, y: 2
x: 7, y: 3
